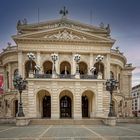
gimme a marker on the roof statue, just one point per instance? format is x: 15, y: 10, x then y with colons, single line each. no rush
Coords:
x: 63, y: 12
x: 108, y: 29
x: 102, y: 25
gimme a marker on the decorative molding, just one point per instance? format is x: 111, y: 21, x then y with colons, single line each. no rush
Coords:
x: 65, y: 35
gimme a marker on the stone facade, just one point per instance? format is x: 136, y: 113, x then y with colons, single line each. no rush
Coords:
x: 66, y: 95
x: 136, y: 100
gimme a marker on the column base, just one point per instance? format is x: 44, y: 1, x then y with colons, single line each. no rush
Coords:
x: 77, y: 116
x: 54, y: 76
x: 22, y: 121
x: 77, y: 75
x: 111, y: 121
x: 100, y: 76
x: 31, y: 74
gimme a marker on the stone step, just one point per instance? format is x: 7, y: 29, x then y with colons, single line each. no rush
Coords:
x: 66, y: 122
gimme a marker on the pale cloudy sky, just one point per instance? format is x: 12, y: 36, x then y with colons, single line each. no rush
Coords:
x: 122, y: 15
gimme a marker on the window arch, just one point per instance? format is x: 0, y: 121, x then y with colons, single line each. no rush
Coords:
x: 65, y: 68
x: 47, y: 67
x: 27, y: 67
x: 99, y: 68
x: 111, y: 75
x: 83, y: 68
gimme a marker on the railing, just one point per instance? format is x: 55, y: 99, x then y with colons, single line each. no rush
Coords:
x: 65, y: 76
x: 88, y: 76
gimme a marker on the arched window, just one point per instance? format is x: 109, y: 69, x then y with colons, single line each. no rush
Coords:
x: 47, y: 67
x: 99, y: 68
x: 83, y: 68
x: 15, y: 72
x: 65, y: 68
x: 27, y: 67
x: 111, y: 75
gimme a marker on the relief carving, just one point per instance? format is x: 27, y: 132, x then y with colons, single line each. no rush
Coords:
x: 65, y: 35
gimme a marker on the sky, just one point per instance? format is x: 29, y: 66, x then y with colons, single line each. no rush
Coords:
x: 122, y: 15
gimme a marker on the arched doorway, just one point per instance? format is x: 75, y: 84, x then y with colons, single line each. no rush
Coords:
x: 83, y: 68
x: 66, y: 104
x: 88, y: 104
x: 85, y: 105
x: 65, y: 107
x: 47, y: 106
x: 47, y: 67
x: 65, y: 68
x: 27, y: 68
x: 43, y: 104
x: 15, y: 108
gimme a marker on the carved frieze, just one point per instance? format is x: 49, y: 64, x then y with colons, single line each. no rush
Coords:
x: 65, y: 35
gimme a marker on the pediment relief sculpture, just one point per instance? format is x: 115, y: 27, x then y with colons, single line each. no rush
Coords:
x: 65, y: 35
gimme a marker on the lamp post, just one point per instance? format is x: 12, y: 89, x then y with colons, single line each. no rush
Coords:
x: 77, y: 59
x: 20, y: 85
x: 99, y: 59
x: 54, y: 59
x: 111, y: 85
x: 31, y: 57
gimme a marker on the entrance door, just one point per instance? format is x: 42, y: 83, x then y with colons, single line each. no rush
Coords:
x: 47, y: 106
x: 65, y: 107
x: 84, y: 106
x: 16, y: 107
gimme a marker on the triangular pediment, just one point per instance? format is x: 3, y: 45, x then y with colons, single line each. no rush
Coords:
x: 64, y: 22
x: 64, y: 34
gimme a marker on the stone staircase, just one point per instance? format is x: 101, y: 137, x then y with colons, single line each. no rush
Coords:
x: 66, y: 122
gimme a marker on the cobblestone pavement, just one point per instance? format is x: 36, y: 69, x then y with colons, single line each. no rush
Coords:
x: 70, y: 132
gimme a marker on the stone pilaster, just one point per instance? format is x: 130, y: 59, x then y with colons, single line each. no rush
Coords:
x: 10, y: 76
x: 73, y: 71
x: 20, y: 63
x: 77, y: 102
x: 99, y: 100
x: 107, y: 67
x: 90, y: 63
x: 54, y: 102
x: 38, y: 58
x: 25, y: 102
x: 31, y: 100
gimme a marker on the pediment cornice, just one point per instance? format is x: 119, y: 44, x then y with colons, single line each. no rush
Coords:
x: 63, y: 34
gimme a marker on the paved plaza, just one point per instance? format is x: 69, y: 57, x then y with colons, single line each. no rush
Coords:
x: 70, y: 132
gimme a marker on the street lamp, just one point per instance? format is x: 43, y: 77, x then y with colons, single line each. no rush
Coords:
x: 77, y: 59
x: 54, y: 59
x: 31, y: 57
x: 111, y: 85
x: 99, y: 59
x: 20, y: 85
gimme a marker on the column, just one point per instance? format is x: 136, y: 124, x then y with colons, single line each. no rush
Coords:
x: 107, y: 67
x: 77, y: 102
x: 54, y: 101
x: 99, y: 100
x: 38, y: 58
x: 31, y: 101
x: 73, y: 68
x: 57, y: 66
x: 10, y: 76
x: 91, y: 63
x: 38, y: 61
x: 20, y: 62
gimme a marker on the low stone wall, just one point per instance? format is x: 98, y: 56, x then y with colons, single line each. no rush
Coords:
x: 7, y: 120
x: 128, y: 120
